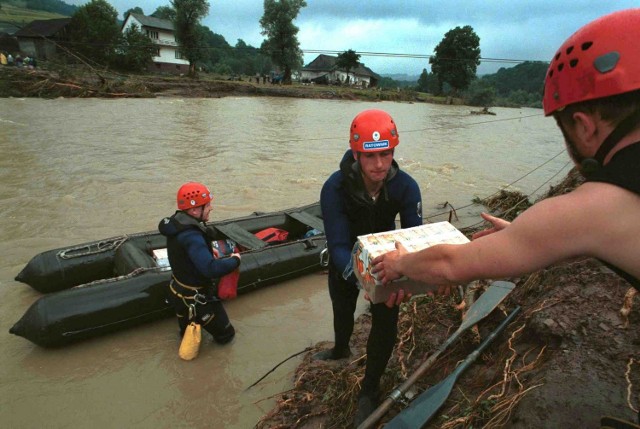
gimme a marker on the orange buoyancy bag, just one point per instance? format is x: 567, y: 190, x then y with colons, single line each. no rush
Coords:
x: 273, y: 235
x: 190, y: 344
x: 228, y: 285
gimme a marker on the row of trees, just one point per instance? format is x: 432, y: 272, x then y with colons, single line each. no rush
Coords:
x: 454, y: 66
x: 521, y: 85
x: 94, y: 34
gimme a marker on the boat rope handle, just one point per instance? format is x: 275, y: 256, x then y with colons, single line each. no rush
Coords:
x: 133, y: 273
x: 93, y: 248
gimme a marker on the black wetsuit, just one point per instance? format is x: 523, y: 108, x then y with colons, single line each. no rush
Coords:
x: 624, y: 171
x: 348, y: 211
x: 194, y: 270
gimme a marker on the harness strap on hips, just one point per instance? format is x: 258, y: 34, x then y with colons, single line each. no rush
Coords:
x: 197, y: 297
x: 184, y: 285
x: 180, y: 295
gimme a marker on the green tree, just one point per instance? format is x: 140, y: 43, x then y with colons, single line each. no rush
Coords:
x: 94, y: 31
x: 456, y: 58
x: 165, y: 12
x: 136, y: 9
x: 136, y: 51
x: 282, y: 44
x: 188, y: 30
x: 427, y: 82
x: 217, y: 49
x: 481, y: 93
x: 347, y: 61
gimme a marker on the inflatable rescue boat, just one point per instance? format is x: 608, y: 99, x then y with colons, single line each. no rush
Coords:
x: 108, y: 285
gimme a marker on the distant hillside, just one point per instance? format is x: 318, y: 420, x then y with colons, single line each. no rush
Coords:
x: 402, y: 77
x: 52, y: 6
x: 14, y: 17
x: 527, y: 77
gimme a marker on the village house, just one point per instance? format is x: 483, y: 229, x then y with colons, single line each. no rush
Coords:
x: 323, y: 70
x: 167, y: 57
x: 41, y: 38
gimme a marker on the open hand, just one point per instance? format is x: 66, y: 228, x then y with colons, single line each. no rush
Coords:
x: 386, y: 266
x: 496, y: 222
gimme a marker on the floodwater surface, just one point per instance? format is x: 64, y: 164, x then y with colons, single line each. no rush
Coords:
x: 78, y: 170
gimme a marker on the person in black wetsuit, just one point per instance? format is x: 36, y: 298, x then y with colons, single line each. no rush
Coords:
x: 592, y: 89
x: 364, y: 196
x: 195, y: 268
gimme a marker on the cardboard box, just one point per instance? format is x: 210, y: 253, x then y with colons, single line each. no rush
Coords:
x: 161, y: 257
x: 413, y: 239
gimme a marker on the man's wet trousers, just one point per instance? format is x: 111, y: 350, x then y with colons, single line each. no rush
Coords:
x: 384, y: 328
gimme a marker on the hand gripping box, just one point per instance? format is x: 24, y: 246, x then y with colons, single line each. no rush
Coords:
x: 413, y: 239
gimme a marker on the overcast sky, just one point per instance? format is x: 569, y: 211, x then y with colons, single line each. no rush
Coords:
x: 508, y: 29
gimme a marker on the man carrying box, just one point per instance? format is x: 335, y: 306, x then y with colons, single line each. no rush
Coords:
x: 364, y: 196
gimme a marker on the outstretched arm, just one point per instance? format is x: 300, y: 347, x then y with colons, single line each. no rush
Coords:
x: 552, y: 230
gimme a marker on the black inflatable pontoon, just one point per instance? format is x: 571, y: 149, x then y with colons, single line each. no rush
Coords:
x: 108, y: 285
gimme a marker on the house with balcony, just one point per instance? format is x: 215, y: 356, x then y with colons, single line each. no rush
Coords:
x: 167, y: 57
x: 323, y: 70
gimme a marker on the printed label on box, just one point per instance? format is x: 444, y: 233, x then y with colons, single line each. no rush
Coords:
x: 413, y: 239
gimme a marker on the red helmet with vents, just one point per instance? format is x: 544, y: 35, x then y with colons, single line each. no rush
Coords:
x: 193, y: 194
x: 373, y: 131
x: 599, y: 60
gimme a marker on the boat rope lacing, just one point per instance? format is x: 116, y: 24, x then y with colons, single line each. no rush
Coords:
x: 142, y: 270
x: 93, y: 248
x: 101, y: 246
x: 134, y: 273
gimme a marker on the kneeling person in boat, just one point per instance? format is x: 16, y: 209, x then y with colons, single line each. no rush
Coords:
x: 195, y: 267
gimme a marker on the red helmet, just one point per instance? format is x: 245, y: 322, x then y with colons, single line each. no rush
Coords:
x: 599, y: 60
x: 373, y: 131
x: 193, y: 194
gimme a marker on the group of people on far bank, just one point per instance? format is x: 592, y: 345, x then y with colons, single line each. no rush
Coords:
x: 6, y: 59
x: 592, y: 89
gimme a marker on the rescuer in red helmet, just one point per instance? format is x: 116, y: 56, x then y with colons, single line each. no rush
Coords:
x: 592, y: 89
x: 364, y: 196
x: 193, y: 265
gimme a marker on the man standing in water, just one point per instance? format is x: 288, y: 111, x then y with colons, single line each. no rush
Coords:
x: 592, y: 89
x: 364, y: 196
x: 194, y: 266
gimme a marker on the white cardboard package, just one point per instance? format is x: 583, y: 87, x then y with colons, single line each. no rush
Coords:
x: 413, y: 239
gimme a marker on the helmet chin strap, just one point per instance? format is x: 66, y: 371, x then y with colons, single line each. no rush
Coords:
x: 591, y: 165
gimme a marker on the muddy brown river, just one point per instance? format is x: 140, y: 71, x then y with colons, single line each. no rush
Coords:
x: 77, y: 170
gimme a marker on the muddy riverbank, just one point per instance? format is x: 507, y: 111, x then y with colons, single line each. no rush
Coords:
x: 16, y: 82
x: 568, y: 359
